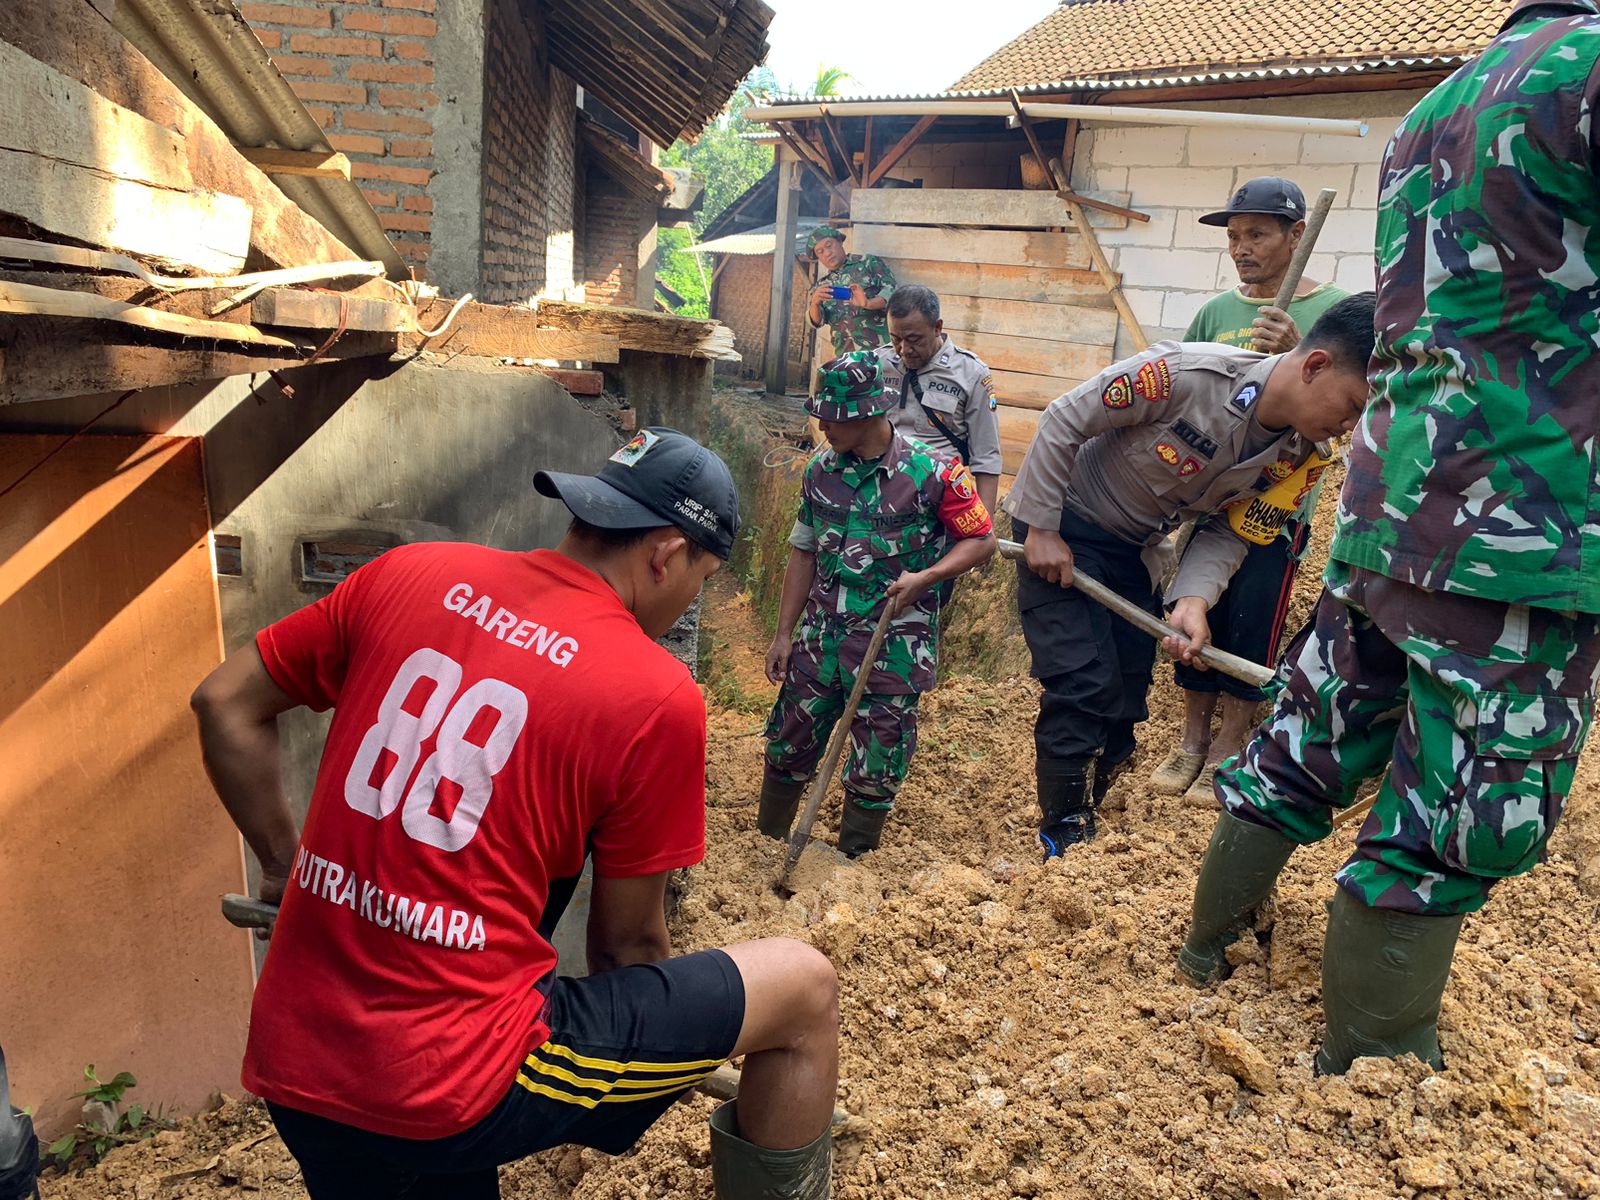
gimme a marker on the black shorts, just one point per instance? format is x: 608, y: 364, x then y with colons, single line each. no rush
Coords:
x: 1248, y: 617
x: 624, y: 1046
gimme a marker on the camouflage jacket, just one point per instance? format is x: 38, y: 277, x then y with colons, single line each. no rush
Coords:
x: 858, y: 328
x: 1475, y: 470
x: 869, y: 521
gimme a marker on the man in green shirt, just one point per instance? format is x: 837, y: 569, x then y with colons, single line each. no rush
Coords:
x: 852, y: 295
x: 1265, y: 220
x: 1455, y: 650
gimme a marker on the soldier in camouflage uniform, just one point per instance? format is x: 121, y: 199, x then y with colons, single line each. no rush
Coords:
x: 859, y: 321
x: 1459, y: 633
x: 882, y: 521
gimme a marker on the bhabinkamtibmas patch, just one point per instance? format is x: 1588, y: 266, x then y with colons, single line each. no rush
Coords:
x: 1154, y: 381
x: 1118, y: 393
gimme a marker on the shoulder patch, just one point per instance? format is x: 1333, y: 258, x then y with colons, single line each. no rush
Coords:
x: 1245, y: 397
x: 1167, y: 453
x: 1118, y: 393
x: 944, y: 359
x: 960, y: 481
x: 1154, y: 381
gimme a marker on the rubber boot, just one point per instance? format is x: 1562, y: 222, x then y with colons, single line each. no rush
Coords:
x: 780, y: 800
x: 861, y: 828
x: 1241, y: 865
x: 1066, y: 815
x: 1106, y: 772
x: 1383, y: 974
x: 741, y: 1170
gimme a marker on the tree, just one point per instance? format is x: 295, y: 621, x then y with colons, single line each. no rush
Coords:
x: 828, y: 80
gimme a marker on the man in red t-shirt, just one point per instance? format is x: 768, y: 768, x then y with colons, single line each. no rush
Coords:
x: 499, y: 717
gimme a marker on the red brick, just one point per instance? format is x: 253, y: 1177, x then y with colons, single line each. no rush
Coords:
x: 418, y: 203
x: 379, y: 199
x: 416, y: 251
x: 371, y: 22
x: 322, y: 116
x: 406, y: 98
x: 356, y: 143
x: 307, y: 16
x: 270, y: 39
x: 310, y: 43
x: 411, y: 222
x: 290, y: 64
x: 333, y: 93
x: 386, y: 122
x: 420, y: 51
x: 391, y: 72
x: 418, y: 5
x: 366, y: 170
x: 406, y: 148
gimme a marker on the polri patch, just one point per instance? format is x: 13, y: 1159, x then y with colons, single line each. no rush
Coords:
x: 1154, y: 381
x: 1195, y: 439
x: 1118, y: 393
x: 1191, y: 466
x: 1167, y: 453
x: 1245, y: 397
x: 636, y: 448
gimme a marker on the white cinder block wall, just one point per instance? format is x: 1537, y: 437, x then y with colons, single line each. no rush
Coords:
x: 1174, y: 264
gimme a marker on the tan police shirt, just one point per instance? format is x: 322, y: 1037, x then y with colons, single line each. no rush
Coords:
x: 1156, y: 440
x: 957, y: 386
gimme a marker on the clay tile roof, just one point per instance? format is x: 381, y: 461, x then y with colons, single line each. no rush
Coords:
x: 1120, y: 38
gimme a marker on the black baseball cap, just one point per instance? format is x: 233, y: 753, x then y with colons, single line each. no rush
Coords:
x: 661, y: 477
x: 1268, y: 194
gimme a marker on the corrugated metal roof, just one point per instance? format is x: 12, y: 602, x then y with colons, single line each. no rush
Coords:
x: 1089, y: 83
x: 206, y: 48
x: 752, y: 241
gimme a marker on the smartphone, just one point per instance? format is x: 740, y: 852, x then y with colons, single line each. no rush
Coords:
x: 840, y: 293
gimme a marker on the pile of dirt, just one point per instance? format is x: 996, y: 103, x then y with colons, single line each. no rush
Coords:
x: 1015, y: 1028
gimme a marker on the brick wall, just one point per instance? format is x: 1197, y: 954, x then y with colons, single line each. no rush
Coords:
x: 529, y: 164
x: 1173, y: 264
x: 614, y: 222
x: 365, y: 71
x: 744, y: 297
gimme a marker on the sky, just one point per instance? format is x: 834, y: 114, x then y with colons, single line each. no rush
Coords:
x: 891, y: 45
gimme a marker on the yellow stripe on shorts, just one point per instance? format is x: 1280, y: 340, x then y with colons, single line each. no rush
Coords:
x: 606, y: 1064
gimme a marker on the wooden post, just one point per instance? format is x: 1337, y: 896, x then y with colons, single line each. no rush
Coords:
x: 777, y: 364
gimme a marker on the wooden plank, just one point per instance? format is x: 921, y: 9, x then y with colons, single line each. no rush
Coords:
x: 79, y: 43
x: 1034, y: 356
x: 25, y: 299
x: 192, y: 231
x: 496, y: 331
x: 1017, y: 427
x: 636, y: 329
x: 297, y: 309
x: 986, y: 207
x: 1082, y: 289
x: 314, y: 164
x: 1023, y: 318
x: 46, y: 360
x: 52, y: 114
x: 1021, y: 248
x: 1020, y: 390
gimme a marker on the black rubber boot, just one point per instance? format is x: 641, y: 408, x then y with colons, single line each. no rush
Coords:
x: 1066, y: 817
x: 779, y: 802
x: 1383, y: 975
x: 860, y: 829
x: 1106, y: 772
x: 741, y: 1170
x: 1241, y: 865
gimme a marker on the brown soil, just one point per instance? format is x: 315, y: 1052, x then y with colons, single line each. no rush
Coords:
x: 1013, y: 1028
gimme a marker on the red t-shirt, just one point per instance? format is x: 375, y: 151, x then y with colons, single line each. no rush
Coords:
x: 495, y: 714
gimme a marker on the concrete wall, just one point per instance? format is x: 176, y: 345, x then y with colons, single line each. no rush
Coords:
x: 1173, y: 264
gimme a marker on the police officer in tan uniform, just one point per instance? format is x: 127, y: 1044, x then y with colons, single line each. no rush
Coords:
x: 1179, y: 432
x: 943, y: 396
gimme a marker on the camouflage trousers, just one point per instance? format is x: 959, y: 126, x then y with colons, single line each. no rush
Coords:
x: 1477, y: 709
x: 883, y: 735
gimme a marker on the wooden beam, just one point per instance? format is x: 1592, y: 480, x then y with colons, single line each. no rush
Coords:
x: 76, y: 41
x: 1000, y: 281
x: 1069, y: 147
x: 26, y: 299
x: 1019, y: 247
x: 298, y: 309
x: 866, y: 152
x: 49, y: 359
x: 636, y: 329
x: 898, y: 151
x: 832, y: 130
x: 987, y: 208
x: 496, y: 331
x: 777, y: 346
x: 315, y: 164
